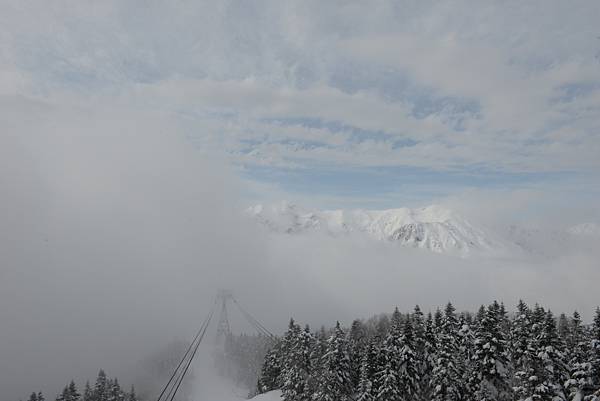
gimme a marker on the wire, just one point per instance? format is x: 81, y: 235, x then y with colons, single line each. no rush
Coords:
x: 200, y: 332
x: 179, y: 374
x: 192, y: 357
x: 257, y: 325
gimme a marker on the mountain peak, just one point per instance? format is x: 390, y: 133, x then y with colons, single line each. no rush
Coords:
x: 587, y: 229
x: 435, y: 228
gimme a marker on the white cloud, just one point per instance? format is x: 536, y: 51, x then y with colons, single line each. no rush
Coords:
x: 231, y: 66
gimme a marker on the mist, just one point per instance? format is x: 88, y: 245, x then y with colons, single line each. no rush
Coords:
x: 115, y: 236
x: 133, y: 135
x: 117, y: 233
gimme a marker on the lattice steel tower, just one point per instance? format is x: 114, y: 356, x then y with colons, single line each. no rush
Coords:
x: 223, y: 329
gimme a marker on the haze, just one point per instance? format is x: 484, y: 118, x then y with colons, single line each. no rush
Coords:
x: 133, y: 136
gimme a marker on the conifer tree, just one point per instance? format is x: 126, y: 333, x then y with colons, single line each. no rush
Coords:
x: 421, y: 348
x: 550, y: 354
x: 114, y: 391
x: 334, y: 383
x: 64, y: 396
x: 466, y: 348
x: 69, y: 393
x: 368, y: 369
x: 357, y: 341
x: 132, y: 396
x: 595, y: 352
x: 73, y: 393
x: 270, y: 372
x: 296, y: 367
x: 522, y: 351
x: 438, y: 320
x: 563, y: 327
x: 490, y: 358
x: 480, y: 315
x: 580, y: 381
x: 429, y: 358
x: 33, y: 397
x: 101, y: 388
x: 88, y: 394
x: 446, y: 379
x: 388, y: 369
x: 409, y: 373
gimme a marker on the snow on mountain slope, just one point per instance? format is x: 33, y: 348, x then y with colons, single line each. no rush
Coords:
x: 434, y: 227
x: 553, y: 242
x: 270, y: 396
x: 587, y: 229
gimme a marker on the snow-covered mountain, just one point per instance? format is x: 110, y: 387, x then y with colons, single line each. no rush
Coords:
x: 434, y: 227
x: 586, y: 229
x: 553, y: 242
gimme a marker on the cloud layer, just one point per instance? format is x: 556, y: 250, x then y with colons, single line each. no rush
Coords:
x: 445, y: 88
x: 131, y: 132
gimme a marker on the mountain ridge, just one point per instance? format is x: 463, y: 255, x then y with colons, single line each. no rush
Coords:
x: 433, y: 227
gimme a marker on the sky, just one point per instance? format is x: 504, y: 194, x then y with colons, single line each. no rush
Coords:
x: 346, y: 104
x: 133, y: 132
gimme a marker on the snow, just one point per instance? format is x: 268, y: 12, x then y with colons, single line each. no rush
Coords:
x: 434, y: 228
x: 587, y: 229
x: 270, y: 396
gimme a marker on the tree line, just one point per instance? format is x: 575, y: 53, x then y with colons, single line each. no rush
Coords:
x: 490, y: 355
x: 104, y: 389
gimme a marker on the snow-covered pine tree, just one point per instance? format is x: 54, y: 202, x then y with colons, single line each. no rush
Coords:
x: 388, y: 369
x: 114, y: 391
x: 421, y: 349
x: 296, y: 366
x: 334, y: 383
x: 480, y: 315
x: 438, y: 320
x: 490, y: 358
x: 69, y: 393
x: 551, y: 355
x: 132, y: 396
x: 64, y: 396
x: 87, y: 392
x: 270, y: 374
x: 40, y: 396
x: 534, y: 380
x: 428, y: 358
x: 357, y: 341
x: 580, y: 383
x: 368, y: 369
x: 595, y: 352
x: 521, y: 351
x: 100, y: 392
x: 73, y: 392
x: 409, y: 364
x: 563, y: 327
x: 318, y: 350
x: 466, y: 348
x: 33, y: 397
x: 446, y: 380
x: 504, y: 321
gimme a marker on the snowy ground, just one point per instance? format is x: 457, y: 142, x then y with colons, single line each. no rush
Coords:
x: 270, y: 396
x: 209, y: 386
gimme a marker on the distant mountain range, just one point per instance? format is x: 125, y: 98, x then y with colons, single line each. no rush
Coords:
x: 434, y: 228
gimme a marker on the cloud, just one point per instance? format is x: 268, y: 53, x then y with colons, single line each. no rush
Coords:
x: 466, y: 85
x: 118, y: 234
x: 130, y: 131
